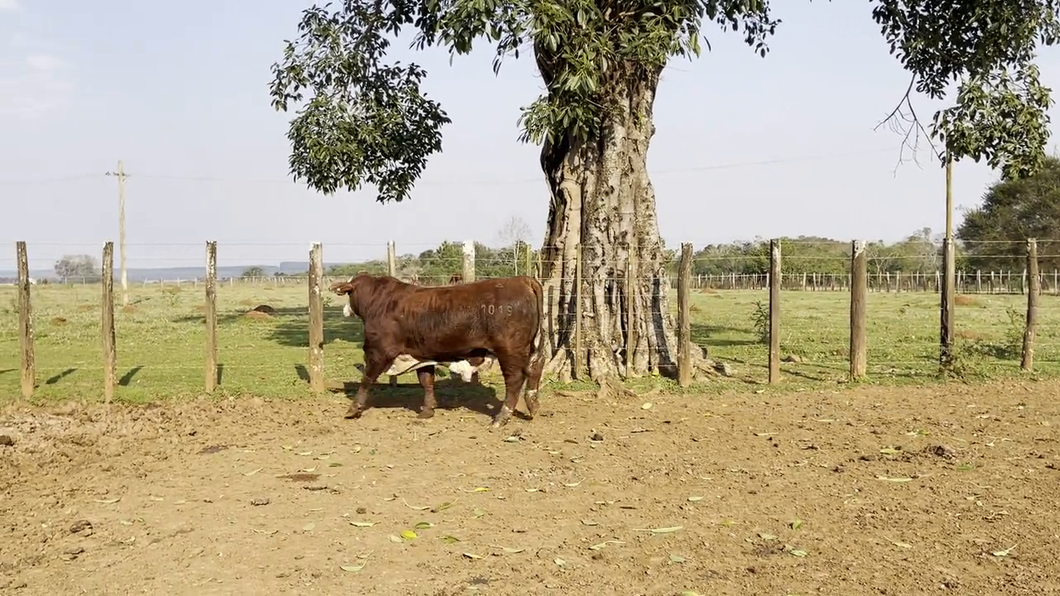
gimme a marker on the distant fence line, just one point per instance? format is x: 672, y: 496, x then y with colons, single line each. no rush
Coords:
x: 857, y: 283
x: 967, y: 282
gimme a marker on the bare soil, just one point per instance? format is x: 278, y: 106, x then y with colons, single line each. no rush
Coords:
x: 866, y: 490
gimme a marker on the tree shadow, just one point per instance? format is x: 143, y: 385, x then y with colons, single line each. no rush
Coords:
x: 6, y: 370
x: 56, y: 378
x: 128, y: 377
x: 451, y: 395
x: 220, y: 373
x: 802, y: 374
x: 290, y: 325
x: 704, y: 336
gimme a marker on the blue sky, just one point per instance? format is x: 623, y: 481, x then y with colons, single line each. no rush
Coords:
x: 179, y: 91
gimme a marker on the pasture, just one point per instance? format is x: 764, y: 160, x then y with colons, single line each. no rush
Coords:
x: 160, y: 339
x: 896, y: 486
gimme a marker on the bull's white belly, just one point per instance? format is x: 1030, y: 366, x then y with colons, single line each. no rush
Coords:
x: 405, y: 363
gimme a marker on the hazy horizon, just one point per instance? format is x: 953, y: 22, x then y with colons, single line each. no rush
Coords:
x: 745, y: 146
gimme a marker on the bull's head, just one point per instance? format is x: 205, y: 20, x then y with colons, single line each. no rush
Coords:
x: 345, y: 288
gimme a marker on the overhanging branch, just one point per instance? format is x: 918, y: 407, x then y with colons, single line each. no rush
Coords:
x: 903, y: 120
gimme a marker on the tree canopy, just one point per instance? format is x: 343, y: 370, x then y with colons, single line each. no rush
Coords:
x: 993, y: 234
x: 988, y: 46
x: 364, y: 119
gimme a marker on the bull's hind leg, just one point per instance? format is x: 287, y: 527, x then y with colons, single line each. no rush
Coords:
x: 373, y: 367
x: 533, y: 382
x: 512, y: 369
x: 430, y: 402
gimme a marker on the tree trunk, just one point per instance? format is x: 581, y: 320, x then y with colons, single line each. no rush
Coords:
x: 604, y: 202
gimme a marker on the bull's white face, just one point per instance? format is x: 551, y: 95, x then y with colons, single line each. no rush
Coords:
x: 347, y: 310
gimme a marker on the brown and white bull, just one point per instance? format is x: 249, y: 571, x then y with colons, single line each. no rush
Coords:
x: 464, y: 326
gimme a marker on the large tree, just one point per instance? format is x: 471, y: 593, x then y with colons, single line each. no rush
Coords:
x: 364, y: 120
x: 993, y: 235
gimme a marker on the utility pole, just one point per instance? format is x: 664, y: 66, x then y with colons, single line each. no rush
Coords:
x: 120, y: 174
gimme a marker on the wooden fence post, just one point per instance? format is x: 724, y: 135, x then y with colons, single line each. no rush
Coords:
x: 946, y: 314
x: 469, y: 261
x: 391, y: 258
x: 577, y: 368
x: 630, y: 321
x: 25, y: 323
x: 211, y: 316
x: 858, y: 297
x: 552, y: 343
x: 391, y: 270
x: 774, y: 310
x: 110, y: 357
x: 1027, y: 362
x: 316, y: 318
x: 529, y: 261
x: 684, y: 312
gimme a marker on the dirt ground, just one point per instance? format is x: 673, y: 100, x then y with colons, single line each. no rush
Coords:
x: 859, y: 491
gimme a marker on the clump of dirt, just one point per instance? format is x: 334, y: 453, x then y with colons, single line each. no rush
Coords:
x: 965, y: 301
x: 969, y: 335
x: 57, y: 321
x: 85, y: 307
x: 128, y: 308
x: 300, y: 477
x: 200, y: 308
x: 261, y: 312
x: 611, y: 391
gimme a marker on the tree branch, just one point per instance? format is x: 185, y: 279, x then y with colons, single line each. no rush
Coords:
x: 903, y: 120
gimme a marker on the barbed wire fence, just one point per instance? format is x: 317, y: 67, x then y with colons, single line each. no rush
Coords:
x: 258, y: 327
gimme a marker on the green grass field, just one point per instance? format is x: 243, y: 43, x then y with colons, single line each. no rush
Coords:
x: 161, y: 340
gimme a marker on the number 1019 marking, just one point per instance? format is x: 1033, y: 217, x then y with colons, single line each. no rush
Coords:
x: 490, y: 309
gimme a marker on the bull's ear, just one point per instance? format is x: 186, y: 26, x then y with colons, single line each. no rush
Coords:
x: 342, y: 288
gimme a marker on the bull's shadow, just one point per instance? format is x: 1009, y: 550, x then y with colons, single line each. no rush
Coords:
x: 451, y: 394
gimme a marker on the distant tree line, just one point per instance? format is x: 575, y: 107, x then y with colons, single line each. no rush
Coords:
x: 991, y: 237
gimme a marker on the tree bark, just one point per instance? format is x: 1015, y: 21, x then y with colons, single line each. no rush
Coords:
x: 603, y: 200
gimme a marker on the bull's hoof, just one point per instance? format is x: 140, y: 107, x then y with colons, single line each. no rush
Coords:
x: 501, y: 418
x: 532, y: 404
x: 353, y: 413
x: 425, y: 413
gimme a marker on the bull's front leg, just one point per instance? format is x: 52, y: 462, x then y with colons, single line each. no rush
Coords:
x: 374, y: 366
x: 430, y: 402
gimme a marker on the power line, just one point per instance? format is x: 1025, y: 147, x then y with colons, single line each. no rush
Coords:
x: 713, y: 167
x: 48, y: 180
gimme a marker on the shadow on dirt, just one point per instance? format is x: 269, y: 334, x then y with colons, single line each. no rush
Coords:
x: 451, y: 394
